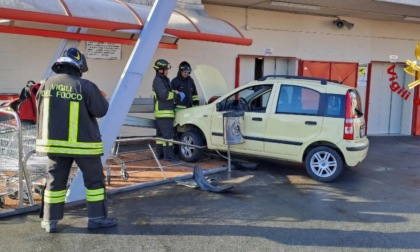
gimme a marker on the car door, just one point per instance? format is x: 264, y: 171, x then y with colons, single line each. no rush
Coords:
x: 295, y: 120
x: 253, y: 102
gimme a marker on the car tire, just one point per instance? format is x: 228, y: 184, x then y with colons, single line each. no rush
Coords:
x: 324, y: 164
x: 187, y: 153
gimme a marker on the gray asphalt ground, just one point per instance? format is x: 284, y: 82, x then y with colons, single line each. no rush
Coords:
x: 277, y: 207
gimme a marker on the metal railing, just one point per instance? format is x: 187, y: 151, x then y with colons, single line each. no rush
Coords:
x: 143, y: 139
x: 8, y: 161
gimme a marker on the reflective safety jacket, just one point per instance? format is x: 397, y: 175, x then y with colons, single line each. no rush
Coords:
x: 187, y: 86
x: 68, y: 107
x: 163, y: 97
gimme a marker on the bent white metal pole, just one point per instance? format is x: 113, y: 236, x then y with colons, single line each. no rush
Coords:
x: 64, y: 44
x: 129, y: 83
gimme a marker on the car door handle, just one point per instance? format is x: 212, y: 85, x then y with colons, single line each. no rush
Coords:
x: 258, y: 119
x: 310, y: 123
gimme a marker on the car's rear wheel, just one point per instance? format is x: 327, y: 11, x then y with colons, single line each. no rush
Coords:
x: 324, y: 164
x: 188, y: 153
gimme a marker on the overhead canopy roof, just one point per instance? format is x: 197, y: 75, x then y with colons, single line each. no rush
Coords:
x: 31, y: 17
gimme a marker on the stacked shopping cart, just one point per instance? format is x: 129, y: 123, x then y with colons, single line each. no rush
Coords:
x: 20, y: 169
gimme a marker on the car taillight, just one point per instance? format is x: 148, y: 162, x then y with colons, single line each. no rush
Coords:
x: 348, y: 121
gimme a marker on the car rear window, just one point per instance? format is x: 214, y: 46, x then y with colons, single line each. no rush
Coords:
x: 334, y: 105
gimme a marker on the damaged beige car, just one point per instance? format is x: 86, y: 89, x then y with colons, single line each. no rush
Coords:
x: 292, y: 118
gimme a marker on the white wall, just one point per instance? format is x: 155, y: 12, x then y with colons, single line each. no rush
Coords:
x: 290, y: 35
x: 23, y: 58
x: 316, y: 38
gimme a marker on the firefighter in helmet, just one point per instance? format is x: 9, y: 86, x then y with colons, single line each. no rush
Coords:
x: 67, y: 132
x: 185, y: 84
x: 164, y: 100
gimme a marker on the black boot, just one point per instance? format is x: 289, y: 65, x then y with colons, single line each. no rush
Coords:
x: 159, y: 151
x: 103, y: 222
x: 169, y: 155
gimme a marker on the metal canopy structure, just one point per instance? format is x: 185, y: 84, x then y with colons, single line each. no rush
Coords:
x: 107, y: 21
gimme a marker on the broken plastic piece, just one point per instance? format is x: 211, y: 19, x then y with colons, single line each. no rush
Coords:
x: 204, y: 185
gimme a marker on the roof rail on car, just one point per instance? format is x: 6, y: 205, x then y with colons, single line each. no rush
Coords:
x: 322, y: 81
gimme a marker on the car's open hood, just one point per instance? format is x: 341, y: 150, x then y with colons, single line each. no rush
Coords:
x: 211, y: 81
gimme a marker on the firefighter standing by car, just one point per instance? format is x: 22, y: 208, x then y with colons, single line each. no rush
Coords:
x: 184, y: 83
x: 164, y: 101
x: 67, y: 132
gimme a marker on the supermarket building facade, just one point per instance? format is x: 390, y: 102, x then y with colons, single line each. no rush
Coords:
x: 371, y: 56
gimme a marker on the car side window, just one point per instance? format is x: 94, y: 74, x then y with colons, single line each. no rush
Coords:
x: 283, y: 103
x: 253, y: 99
x: 258, y: 102
x: 298, y: 100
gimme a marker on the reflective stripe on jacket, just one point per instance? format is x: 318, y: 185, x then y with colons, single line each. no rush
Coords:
x: 68, y: 108
x: 163, y: 97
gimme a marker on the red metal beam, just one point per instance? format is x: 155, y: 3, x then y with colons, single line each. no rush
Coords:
x: 47, y: 18
x: 367, y: 97
x: 189, y: 19
x: 74, y: 36
x: 66, y: 8
x: 209, y: 37
x: 141, y: 22
x: 237, y: 71
x: 234, y: 27
x: 415, y: 123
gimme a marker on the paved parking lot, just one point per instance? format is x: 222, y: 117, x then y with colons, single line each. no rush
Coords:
x: 373, y: 207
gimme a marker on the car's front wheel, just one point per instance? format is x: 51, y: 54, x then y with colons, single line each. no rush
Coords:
x: 188, y: 153
x: 324, y: 164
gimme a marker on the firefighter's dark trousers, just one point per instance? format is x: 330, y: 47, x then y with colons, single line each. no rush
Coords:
x: 55, y: 191
x: 165, y: 129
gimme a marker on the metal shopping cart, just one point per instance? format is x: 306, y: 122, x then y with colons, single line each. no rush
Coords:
x: 20, y: 168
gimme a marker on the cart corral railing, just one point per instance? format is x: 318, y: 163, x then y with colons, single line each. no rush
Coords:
x: 22, y: 158
x: 147, y: 138
x: 13, y: 156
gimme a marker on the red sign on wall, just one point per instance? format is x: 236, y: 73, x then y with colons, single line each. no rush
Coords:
x: 395, y: 86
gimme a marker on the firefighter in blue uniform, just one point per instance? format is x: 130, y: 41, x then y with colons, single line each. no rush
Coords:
x: 164, y: 110
x: 67, y: 132
x: 185, y: 84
